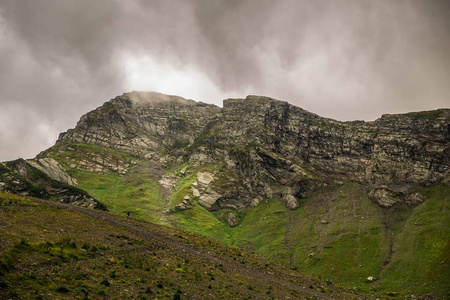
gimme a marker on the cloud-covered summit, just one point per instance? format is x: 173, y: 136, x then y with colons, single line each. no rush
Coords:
x: 343, y: 59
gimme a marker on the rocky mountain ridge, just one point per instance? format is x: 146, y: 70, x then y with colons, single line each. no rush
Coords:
x: 269, y: 148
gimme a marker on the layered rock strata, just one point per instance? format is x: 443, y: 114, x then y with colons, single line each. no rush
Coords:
x: 265, y: 148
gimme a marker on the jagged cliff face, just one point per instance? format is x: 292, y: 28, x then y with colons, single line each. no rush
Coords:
x: 265, y: 148
x: 410, y: 148
x: 143, y: 124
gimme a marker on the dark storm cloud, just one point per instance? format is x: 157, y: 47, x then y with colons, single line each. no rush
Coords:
x: 344, y: 59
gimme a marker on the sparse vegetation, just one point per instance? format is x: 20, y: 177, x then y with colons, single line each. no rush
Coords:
x: 51, y: 255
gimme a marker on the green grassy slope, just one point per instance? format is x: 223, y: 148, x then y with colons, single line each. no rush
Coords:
x: 422, y: 248
x: 341, y: 236
x: 134, y: 193
x: 58, y: 251
x: 338, y: 235
x: 137, y: 192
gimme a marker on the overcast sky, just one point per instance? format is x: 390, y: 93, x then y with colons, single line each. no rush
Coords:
x: 347, y: 60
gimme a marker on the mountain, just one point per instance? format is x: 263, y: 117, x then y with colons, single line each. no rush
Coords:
x: 341, y: 201
x: 260, y: 143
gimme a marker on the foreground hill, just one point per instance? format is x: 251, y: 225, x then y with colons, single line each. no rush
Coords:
x: 53, y: 251
x: 342, y: 201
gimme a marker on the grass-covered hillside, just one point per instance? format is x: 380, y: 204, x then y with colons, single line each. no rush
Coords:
x: 337, y: 235
x: 50, y: 250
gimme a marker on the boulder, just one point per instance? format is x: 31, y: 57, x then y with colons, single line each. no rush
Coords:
x: 232, y: 220
x: 187, y: 203
x: 414, y: 198
x: 290, y: 202
x: 209, y: 198
x: 383, y: 196
x: 204, y: 178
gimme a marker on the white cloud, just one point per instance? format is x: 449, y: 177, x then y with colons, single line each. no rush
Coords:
x: 145, y: 73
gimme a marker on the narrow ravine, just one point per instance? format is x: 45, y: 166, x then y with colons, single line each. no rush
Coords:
x: 389, y: 222
x: 287, y: 239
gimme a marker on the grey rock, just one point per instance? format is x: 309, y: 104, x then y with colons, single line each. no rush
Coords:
x: 187, y: 203
x: 383, y: 196
x: 168, y: 182
x: 143, y: 123
x: 195, y: 192
x: 80, y: 200
x: 290, y: 202
x: 22, y: 178
x: 204, y: 178
x: 232, y: 220
x: 414, y: 198
x: 209, y: 198
x: 255, y: 202
x: 53, y: 169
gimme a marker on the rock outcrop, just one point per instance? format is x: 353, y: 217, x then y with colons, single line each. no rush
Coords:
x: 386, y: 197
x: 231, y: 220
x: 144, y: 124
x: 53, y: 169
x: 264, y: 148
x: 185, y: 204
x: 33, y: 178
x: 409, y: 148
